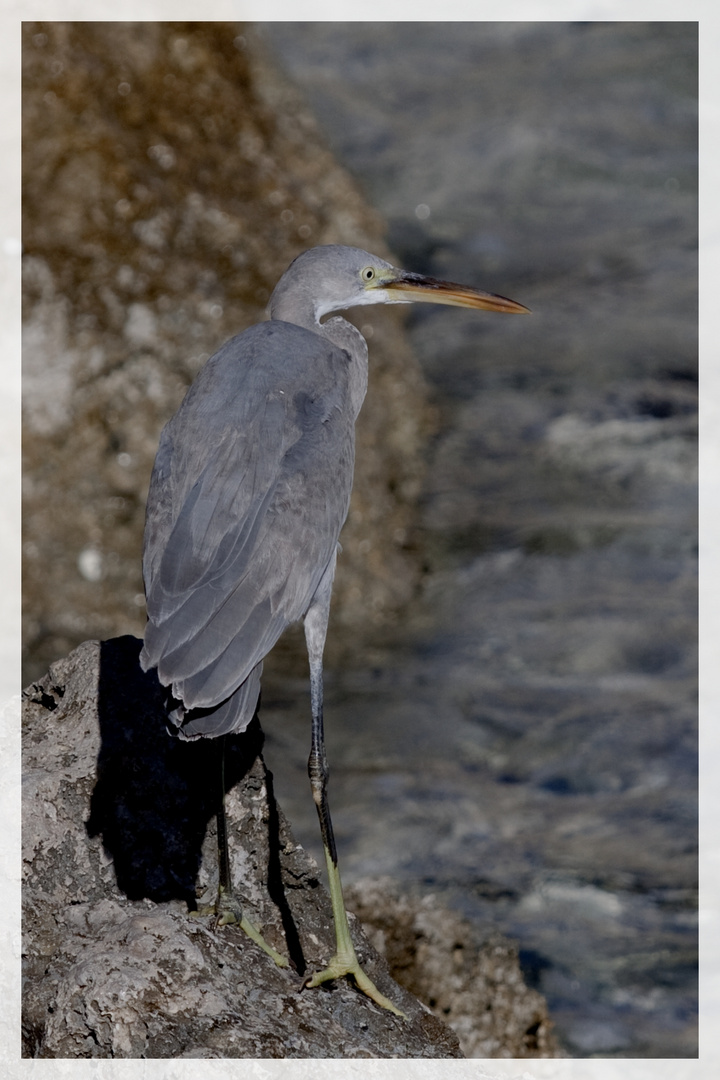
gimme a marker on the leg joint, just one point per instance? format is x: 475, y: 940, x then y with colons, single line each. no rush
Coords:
x: 319, y: 773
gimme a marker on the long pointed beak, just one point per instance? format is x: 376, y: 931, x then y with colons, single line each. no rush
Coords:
x: 412, y: 288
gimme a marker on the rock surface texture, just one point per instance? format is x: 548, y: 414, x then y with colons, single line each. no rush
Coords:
x: 116, y: 846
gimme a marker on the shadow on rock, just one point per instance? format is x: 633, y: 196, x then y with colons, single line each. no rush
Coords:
x: 156, y: 796
x: 110, y: 798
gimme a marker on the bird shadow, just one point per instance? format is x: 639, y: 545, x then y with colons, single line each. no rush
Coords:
x: 155, y: 795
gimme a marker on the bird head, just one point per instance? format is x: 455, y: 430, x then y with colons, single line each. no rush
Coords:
x: 334, y: 278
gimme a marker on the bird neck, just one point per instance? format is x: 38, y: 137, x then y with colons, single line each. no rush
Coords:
x: 348, y: 338
x: 293, y: 301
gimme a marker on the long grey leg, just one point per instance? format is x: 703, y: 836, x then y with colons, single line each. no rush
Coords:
x: 227, y: 907
x: 222, y: 840
x: 345, y: 961
x: 316, y: 622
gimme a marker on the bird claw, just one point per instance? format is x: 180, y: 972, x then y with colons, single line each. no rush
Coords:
x: 350, y: 966
x: 228, y: 912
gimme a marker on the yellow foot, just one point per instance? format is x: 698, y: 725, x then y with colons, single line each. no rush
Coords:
x: 340, y: 966
x: 228, y: 911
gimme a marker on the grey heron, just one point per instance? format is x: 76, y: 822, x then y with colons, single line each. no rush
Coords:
x: 250, y: 489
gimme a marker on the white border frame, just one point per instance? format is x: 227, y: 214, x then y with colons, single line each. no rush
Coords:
x: 12, y: 12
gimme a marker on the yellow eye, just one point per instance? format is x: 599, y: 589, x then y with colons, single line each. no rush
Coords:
x: 367, y: 274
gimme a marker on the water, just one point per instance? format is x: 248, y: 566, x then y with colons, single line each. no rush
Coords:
x: 526, y: 745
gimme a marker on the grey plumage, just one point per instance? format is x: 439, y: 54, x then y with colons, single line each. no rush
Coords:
x: 250, y: 490
x: 228, y: 516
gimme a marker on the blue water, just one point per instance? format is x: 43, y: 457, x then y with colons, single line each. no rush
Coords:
x: 525, y: 744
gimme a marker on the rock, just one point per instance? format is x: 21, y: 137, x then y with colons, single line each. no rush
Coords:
x: 115, y: 816
x: 119, y: 842
x: 471, y: 981
x: 171, y: 176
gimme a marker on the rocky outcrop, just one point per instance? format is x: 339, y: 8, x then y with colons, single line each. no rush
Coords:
x: 118, y: 843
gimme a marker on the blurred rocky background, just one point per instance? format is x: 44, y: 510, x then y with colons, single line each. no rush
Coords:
x: 170, y: 177
x: 516, y: 732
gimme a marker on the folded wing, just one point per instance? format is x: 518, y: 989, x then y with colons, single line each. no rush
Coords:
x: 249, y: 492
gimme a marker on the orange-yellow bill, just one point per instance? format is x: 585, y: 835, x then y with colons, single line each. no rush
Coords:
x: 416, y: 287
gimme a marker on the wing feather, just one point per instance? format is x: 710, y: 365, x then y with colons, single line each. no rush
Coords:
x: 250, y: 489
